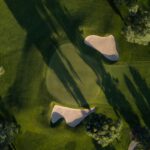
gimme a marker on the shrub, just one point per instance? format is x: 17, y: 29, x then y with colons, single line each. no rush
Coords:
x: 136, y: 21
x: 103, y: 129
x: 137, y: 29
x: 8, y: 131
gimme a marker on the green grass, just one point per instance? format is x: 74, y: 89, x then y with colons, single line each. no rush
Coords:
x: 73, y: 76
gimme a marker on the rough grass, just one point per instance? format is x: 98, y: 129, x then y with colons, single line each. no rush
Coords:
x: 26, y: 47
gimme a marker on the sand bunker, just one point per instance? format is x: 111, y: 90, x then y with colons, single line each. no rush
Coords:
x: 72, y: 116
x: 2, y: 71
x: 105, y: 45
x: 132, y: 145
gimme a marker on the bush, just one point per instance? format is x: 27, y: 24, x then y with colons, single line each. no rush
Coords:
x: 8, y: 131
x: 137, y: 29
x: 136, y: 21
x: 103, y: 129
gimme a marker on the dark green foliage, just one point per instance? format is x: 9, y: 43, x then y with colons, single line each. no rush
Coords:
x: 103, y: 129
x: 137, y: 29
x: 136, y: 20
x: 142, y: 135
x: 8, y: 131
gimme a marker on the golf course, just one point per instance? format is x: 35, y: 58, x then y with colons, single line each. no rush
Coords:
x: 44, y: 61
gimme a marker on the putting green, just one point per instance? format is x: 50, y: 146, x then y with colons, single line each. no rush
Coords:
x: 70, y: 79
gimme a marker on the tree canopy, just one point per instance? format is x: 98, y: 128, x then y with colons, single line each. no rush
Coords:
x: 103, y: 129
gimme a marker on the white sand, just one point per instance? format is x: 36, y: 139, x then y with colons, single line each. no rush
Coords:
x: 2, y: 71
x: 72, y: 116
x: 105, y: 45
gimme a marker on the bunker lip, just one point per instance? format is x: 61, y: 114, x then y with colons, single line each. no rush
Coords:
x: 105, y: 45
x: 132, y: 145
x: 72, y: 116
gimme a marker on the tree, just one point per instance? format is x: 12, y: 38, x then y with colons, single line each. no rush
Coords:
x: 8, y: 131
x: 137, y: 29
x: 103, y: 129
x: 136, y: 20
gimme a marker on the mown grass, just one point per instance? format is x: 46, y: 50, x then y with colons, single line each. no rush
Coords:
x: 27, y: 44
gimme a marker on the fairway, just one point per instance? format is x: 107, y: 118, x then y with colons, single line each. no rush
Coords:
x: 46, y: 62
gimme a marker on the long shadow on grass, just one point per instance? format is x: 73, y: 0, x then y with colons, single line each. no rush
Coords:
x: 70, y: 66
x: 67, y: 22
x: 139, y: 95
x: 32, y: 16
x: 5, y: 114
x: 27, y: 15
x: 114, y: 6
x: 69, y: 83
x: 70, y: 25
x: 141, y: 84
x: 41, y: 32
x: 114, y: 96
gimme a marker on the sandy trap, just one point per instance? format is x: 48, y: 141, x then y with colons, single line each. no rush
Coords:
x: 133, y: 145
x: 105, y: 45
x: 72, y: 116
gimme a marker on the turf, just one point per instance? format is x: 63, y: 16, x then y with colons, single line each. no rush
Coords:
x: 45, y: 60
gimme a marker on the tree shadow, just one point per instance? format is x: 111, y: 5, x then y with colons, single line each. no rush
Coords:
x: 114, y: 96
x: 32, y: 16
x: 27, y: 14
x: 141, y: 84
x: 70, y: 145
x: 70, y: 24
x: 70, y: 66
x: 139, y: 94
x: 5, y: 114
x: 41, y: 32
x: 69, y: 83
x: 116, y: 9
